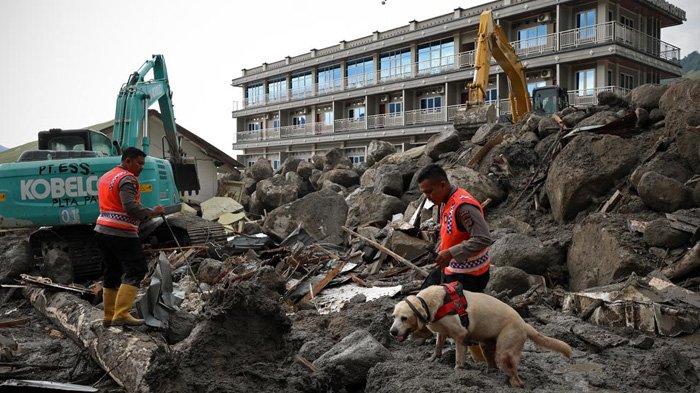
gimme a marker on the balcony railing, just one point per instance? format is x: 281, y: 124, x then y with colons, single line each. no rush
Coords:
x: 386, y: 120
x: 587, y: 97
x: 354, y: 124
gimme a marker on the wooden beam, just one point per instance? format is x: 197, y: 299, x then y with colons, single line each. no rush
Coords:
x: 325, y: 281
x: 689, y: 263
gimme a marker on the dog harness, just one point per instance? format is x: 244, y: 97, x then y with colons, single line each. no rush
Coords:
x: 455, y: 303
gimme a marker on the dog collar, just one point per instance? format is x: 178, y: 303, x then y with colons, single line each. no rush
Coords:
x: 424, y: 319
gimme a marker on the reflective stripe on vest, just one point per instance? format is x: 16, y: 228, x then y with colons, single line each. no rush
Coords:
x: 451, y: 235
x: 112, y: 212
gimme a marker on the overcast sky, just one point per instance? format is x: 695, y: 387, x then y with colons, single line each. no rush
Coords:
x: 62, y: 61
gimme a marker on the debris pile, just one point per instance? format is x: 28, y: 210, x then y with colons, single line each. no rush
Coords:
x: 595, y: 214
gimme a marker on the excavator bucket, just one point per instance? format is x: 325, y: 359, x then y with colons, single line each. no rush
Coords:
x: 186, y: 178
x: 467, y: 121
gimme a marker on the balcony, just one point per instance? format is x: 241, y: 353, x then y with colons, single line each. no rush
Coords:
x: 588, y: 97
x: 601, y: 34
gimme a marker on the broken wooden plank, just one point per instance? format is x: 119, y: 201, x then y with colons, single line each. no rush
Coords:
x: 688, y: 264
x: 359, y: 281
x: 479, y: 156
x: 14, y: 322
x: 387, y: 251
x: 322, y: 284
x: 611, y: 202
x: 305, y: 363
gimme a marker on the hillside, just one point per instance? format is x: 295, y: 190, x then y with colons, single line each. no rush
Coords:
x: 691, y: 64
x: 2, y: 148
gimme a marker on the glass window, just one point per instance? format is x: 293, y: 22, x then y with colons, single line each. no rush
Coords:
x: 396, y: 64
x: 491, y: 96
x: 356, y: 113
x: 329, y: 79
x: 276, y: 123
x: 255, y: 94
x: 532, y: 37
x: 100, y: 143
x: 275, y: 164
x: 533, y: 85
x: 67, y: 143
x: 356, y: 159
x: 395, y: 109
x: 254, y: 126
x: 299, y: 120
x: 629, y: 22
x: 302, y: 85
x: 431, y: 103
x: 277, y: 90
x: 328, y: 118
x: 585, y: 82
x: 626, y: 81
x: 586, y: 21
x: 435, y: 56
x: 360, y: 72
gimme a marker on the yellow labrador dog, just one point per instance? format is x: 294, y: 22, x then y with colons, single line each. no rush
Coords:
x: 495, y: 325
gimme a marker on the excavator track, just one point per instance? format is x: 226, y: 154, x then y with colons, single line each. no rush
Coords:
x: 197, y: 229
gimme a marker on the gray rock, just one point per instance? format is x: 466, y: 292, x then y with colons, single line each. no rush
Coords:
x: 410, y: 155
x: 696, y: 194
x: 603, y: 250
x: 383, y: 207
x: 598, y: 119
x: 524, y: 252
x: 480, y: 186
x: 290, y: 164
x: 350, y: 360
x: 251, y: 228
x: 659, y: 233
x: 680, y: 114
x: 368, y: 178
x: 642, y: 342
x: 16, y: 256
x: 180, y: 325
x: 688, y: 141
x: 662, y: 193
x: 444, y: 142
x: 485, y: 132
x: 357, y: 299
x: 376, y: 150
x: 209, y: 270
x: 647, y: 96
x: 668, y: 163
x: 315, y: 177
x: 574, y: 118
x: 547, y: 126
x: 249, y: 185
x: 642, y: 117
x: 256, y: 206
x: 305, y: 169
x: 656, y: 115
x: 611, y: 99
x: 389, y: 180
x: 508, y: 278
x: 315, y: 347
x: 532, y: 123
x: 408, y: 246
x: 322, y: 214
x: 513, y: 224
x: 586, y: 168
x: 318, y: 161
x: 567, y: 111
x: 329, y: 185
x: 334, y: 158
x: 275, y: 192
x: 344, y: 177
x: 261, y: 170
x: 57, y: 265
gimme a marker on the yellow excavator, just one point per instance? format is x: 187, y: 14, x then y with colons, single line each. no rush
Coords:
x: 492, y: 41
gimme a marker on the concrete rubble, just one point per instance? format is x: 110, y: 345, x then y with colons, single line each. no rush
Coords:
x: 596, y: 225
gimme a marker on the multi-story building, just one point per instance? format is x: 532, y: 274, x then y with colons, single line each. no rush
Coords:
x: 405, y: 84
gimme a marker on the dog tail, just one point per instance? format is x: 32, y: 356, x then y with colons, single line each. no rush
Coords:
x: 548, y: 342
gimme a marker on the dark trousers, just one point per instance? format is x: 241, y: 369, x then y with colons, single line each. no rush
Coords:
x: 469, y: 283
x: 123, y: 260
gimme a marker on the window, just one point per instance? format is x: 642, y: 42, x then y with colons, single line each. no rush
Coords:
x: 431, y: 103
x: 626, y: 81
x: 254, y: 126
x: 629, y: 22
x: 532, y: 37
x: 435, y: 56
x: 67, y: 143
x: 356, y: 159
x: 302, y: 85
x: 491, y: 96
x: 395, y: 109
x: 100, y: 143
x: 533, y: 85
x: 356, y: 113
x: 395, y: 64
x: 299, y: 120
x: 586, y: 21
x: 276, y: 123
x: 610, y: 77
x: 360, y: 72
x: 277, y: 90
x: 255, y: 95
x: 328, y: 118
x: 275, y: 164
x: 585, y: 82
x: 329, y: 79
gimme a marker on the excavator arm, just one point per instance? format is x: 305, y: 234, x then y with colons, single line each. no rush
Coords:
x: 492, y: 41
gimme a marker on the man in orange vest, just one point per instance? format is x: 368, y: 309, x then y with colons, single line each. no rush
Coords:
x: 463, y: 250
x: 117, y: 228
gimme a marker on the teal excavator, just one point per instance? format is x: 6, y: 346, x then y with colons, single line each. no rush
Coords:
x: 54, y: 188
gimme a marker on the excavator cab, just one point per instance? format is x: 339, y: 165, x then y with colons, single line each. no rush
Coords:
x: 549, y: 100
x: 60, y: 144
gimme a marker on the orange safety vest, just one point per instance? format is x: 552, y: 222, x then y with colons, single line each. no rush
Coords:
x: 112, y: 212
x: 451, y: 235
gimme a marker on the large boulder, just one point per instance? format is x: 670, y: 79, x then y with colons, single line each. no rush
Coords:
x: 318, y: 161
x: 547, y: 126
x: 290, y: 164
x: 660, y: 233
x: 575, y: 117
x: 368, y: 178
x: 344, y: 177
x: 682, y: 118
x: 376, y: 150
x: 647, y: 96
x: 663, y: 194
x: 408, y: 246
x: 334, y: 158
x: 668, y: 163
x: 367, y: 207
x: 444, y: 142
x: 527, y: 253
x: 604, y: 250
x: 480, y: 186
x: 610, y: 98
x: 209, y: 270
x: 405, y: 156
x: 485, y: 132
x: 275, y: 192
x: 598, y: 119
x: 261, y: 170
x: 349, y: 361
x: 588, y: 167
x: 16, y: 257
x: 508, y: 278
x: 389, y: 180
x: 305, y: 169
x: 532, y: 123
x: 322, y: 214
